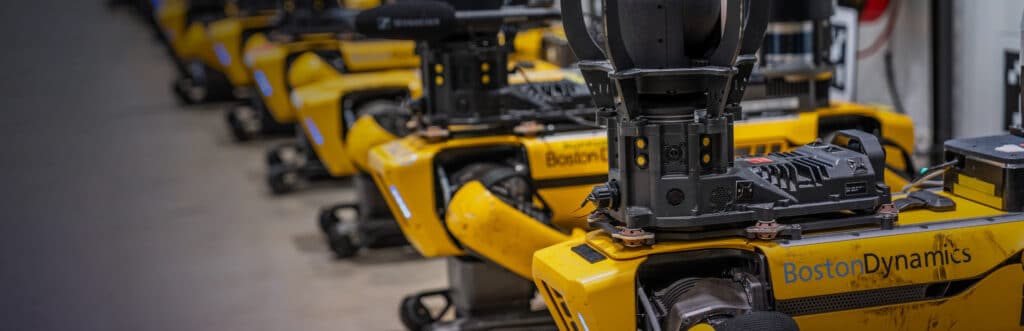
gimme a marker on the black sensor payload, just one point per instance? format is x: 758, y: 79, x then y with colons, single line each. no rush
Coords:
x: 672, y: 171
x: 465, y: 63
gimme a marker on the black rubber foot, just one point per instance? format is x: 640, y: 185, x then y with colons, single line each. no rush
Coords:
x: 237, y: 123
x: 181, y: 95
x: 414, y: 314
x: 340, y: 243
x: 283, y: 180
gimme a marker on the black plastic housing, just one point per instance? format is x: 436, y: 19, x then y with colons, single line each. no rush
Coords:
x: 986, y: 174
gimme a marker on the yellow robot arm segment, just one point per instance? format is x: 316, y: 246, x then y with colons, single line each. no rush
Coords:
x: 490, y: 227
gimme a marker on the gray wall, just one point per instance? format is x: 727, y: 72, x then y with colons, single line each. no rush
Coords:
x: 912, y: 66
x: 983, y: 31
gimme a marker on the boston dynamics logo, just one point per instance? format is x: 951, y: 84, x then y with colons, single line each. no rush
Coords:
x: 871, y: 263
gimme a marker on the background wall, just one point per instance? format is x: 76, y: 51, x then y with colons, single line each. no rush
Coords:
x: 910, y: 44
x: 983, y: 33
x: 986, y: 35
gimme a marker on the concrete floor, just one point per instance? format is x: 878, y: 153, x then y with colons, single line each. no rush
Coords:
x: 123, y: 211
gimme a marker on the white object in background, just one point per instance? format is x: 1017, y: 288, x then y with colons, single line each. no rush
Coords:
x: 843, y: 54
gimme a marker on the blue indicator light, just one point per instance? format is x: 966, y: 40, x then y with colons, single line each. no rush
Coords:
x: 222, y: 54
x: 263, y: 83
x: 400, y: 202
x: 314, y: 131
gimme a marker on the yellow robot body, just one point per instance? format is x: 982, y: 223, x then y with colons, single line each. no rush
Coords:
x: 321, y: 118
x: 171, y: 19
x: 320, y: 87
x: 268, y: 64
x: 188, y: 39
x: 275, y: 75
x: 501, y: 233
x: 562, y: 166
x: 319, y: 105
x: 230, y: 38
x: 195, y: 44
x: 928, y: 273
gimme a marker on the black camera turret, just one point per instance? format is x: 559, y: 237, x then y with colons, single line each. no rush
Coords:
x: 672, y: 90
x: 465, y: 64
x: 298, y: 17
x: 255, y: 7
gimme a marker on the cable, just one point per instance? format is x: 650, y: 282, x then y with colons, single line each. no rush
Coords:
x: 940, y: 166
x: 890, y: 79
x: 885, y: 36
x: 922, y: 180
x: 927, y: 174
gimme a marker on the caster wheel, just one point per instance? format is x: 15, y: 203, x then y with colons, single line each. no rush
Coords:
x: 200, y: 83
x: 328, y: 220
x: 414, y: 315
x: 291, y: 155
x: 283, y: 180
x: 338, y: 239
x: 243, y: 122
x: 187, y: 93
x: 342, y: 245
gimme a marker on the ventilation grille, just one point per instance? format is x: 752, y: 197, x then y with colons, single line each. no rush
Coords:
x: 721, y: 196
x: 799, y: 171
x: 564, y: 315
x: 761, y: 149
x: 553, y: 92
x: 852, y: 300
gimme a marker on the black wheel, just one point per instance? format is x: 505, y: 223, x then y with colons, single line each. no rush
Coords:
x: 414, y: 315
x: 291, y: 155
x: 267, y: 124
x: 182, y: 93
x: 342, y: 245
x: 328, y: 220
x: 200, y: 83
x: 339, y: 241
x: 273, y: 158
x: 283, y: 179
x: 243, y: 122
x: 759, y: 320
